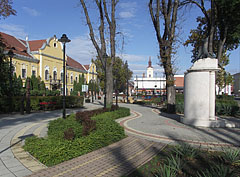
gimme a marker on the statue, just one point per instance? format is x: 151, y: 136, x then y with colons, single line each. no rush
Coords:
x: 203, y: 51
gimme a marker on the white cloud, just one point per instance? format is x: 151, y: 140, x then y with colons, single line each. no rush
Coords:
x: 14, y: 30
x: 127, y: 10
x: 81, y: 49
x: 126, y: 14
x: 31, y: 11
x: 139, y: 63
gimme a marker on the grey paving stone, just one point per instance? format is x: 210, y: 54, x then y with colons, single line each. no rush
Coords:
x: 5, y: 171
x: 17, y: 168
x: 22, y: 173
x: 12, y: 163
x: 8, y: 175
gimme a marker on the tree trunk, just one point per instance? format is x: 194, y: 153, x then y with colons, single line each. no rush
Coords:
x: 109, y: 86
x: 168, y: 10
x: 221, y: 43
x: 212, y: 29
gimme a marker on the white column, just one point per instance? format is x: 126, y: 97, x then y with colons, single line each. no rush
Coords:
x: 212, y: 95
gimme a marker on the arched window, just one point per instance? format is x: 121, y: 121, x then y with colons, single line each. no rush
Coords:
x: 61, y: 76
x: 71, y: 78
x: 54, y: 75
x: 46, y: 75
x: 24, y: 71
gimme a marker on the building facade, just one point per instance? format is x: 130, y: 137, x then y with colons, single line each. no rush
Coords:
x: 155, y: 85
x: 44, y: 59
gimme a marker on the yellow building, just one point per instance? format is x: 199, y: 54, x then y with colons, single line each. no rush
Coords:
x: 91, y: 72
x: 44, y: 58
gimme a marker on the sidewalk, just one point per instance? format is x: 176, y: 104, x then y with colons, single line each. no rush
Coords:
x: 149, y: 123
x: 14, y: 161
x: 115, y: 160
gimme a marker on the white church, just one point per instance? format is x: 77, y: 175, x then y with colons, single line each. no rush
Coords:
x: 148, y: 84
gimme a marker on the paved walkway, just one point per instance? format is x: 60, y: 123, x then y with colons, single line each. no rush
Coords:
x: 14, y: 161
x: 149, y: 123
x: 115, y: 160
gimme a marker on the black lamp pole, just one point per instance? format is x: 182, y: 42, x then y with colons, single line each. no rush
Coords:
x: 10, y: 54
x: 64, y: 39
x: 127, y: 79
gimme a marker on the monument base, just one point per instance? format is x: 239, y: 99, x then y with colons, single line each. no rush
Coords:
x: 199, y: 94
x: 210, y: 123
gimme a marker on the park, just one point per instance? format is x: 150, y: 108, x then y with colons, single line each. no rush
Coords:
x: 75, y: 106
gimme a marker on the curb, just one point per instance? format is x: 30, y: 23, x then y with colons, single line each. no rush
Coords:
x: 160, y: 138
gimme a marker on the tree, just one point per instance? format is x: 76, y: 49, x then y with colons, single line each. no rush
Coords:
x: 120, y: 75
x: 5, y: 11
x: 77, y: 86
x: 108, y: 14
x: 168, y: 12
x: 197, y: 35
x: 6, y: 8
x: 223, y: 18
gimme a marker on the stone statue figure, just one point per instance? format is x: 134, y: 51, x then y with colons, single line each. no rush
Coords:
x: 203, y: 51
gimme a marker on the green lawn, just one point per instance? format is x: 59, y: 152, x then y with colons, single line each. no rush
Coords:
x: 55, y: 149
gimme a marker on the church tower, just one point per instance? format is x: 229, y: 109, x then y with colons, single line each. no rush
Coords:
x: 149, y: 69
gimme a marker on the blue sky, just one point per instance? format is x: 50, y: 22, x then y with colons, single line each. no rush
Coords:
x: 41, y: 19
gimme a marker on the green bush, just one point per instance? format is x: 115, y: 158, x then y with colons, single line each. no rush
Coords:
x: 48, y: 103
x: 225, y: 105
x: 55, y: 148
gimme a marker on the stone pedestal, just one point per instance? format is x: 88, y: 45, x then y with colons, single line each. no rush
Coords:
x: 199, y: 94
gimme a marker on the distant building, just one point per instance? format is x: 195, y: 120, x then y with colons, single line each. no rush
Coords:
x: 155, y: 85
x: 236, y: 86
x: 44, y: 59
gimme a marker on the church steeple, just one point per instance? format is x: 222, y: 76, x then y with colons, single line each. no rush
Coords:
x: 150, y: 69
x: 149, y: 63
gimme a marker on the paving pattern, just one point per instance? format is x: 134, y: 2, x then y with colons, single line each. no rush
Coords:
x: 149, y: 123
x: 149, y: 131
x: 115, y: 160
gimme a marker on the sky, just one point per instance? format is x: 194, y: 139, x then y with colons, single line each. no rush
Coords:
x: 42, y: 19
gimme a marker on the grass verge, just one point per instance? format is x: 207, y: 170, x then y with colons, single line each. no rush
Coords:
x: 55, y: 149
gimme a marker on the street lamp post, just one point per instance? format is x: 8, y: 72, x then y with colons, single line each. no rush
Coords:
x: 137, y: 85
x: 64, y: 39
x: 127, y: 80
x: 10, y: 54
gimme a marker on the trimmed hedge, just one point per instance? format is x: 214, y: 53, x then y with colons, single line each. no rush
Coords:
x: 225, y: 105
x: 56, y: 148
x: 41, y: 103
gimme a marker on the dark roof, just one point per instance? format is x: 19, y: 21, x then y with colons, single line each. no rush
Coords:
x: 13, y: 43
x: 73, y: 63
x: 87, y: 67
x: 36, y: 44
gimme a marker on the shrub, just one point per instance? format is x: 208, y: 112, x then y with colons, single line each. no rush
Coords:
x: 217, y: 171
x: 114, y: 107
x: 231, y: 156
x: 88, y: 126
x: 69, y: 134
x: 186, y: 151
x: 166, y: 171
x: 55, y: 149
